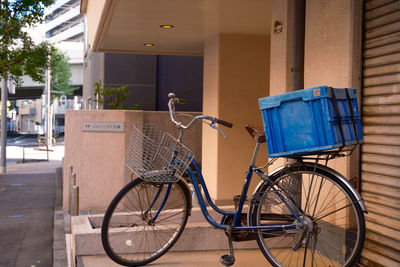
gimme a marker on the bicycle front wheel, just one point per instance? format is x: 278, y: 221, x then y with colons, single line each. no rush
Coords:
x: 330, y: 226
x: 143, y: 222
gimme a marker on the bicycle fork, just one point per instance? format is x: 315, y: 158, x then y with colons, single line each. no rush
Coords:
x: 146, y: 212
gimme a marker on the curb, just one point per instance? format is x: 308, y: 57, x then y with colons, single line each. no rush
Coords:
x: 60, y: 257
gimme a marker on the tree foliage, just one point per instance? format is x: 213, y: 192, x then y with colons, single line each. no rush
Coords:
x: 19, y: 55
x: 60, y: 73
x: 115, y: 96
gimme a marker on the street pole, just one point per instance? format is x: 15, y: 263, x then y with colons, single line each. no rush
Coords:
x: 3, y: 137
x: 49, y: 130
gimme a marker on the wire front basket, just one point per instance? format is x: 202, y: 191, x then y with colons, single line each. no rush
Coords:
x: 156, y: 156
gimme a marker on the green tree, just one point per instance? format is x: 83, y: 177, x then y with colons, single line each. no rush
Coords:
x: 60, y: 73
x: 19, y: 55
x: 116, y: 96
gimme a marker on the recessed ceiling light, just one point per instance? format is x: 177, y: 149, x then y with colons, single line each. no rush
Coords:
x: 166, y: 26
x: 148, y: 44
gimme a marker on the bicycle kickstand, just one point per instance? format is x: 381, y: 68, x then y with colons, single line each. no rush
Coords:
x: 228, y: 260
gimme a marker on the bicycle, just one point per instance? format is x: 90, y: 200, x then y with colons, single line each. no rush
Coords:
x: 303, y: 213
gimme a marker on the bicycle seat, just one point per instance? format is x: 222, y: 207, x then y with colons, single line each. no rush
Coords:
x: 256, y: 132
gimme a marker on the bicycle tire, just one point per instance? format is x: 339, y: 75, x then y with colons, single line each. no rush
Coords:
x: 332, y: 228
x: 129, y: 236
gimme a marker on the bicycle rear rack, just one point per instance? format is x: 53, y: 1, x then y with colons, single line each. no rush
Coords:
x: 343, y: 151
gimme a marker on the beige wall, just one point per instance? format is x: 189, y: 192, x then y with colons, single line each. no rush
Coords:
x: 333, y: 54
x: 327, y: 45
x: 279, y: 64
x: 94, y: 12
x: 332, y: 44
x: 236, y: 75
x: 93, y: 72
x: 98, y: 157
x: 192, y: 136
x: 211, y: 108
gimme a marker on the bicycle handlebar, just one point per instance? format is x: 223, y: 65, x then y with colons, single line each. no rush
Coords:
x: 171, y: 106
x: 225, y: 123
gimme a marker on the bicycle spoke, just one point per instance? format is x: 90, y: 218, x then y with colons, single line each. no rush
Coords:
x: 131, y: 220
x: 314, y: 202
x: 322, y: 234
x: 326, y: 198
x: 176, y: 214
x: 287, y: 254
x: 332, y: 203
x: 332, y: 212
x: 281, y: 243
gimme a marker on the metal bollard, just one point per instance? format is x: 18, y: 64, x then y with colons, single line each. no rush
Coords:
x: 23, y: 154
x: 75, y: 208
x: 71, y: 169
x: 73, y: 194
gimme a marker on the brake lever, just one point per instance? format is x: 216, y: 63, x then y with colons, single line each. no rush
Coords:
x: 212, y: 124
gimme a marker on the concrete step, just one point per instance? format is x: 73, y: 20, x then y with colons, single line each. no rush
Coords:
x: 198, y: 235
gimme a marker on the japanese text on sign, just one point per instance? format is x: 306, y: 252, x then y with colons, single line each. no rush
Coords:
x: 103, y: 127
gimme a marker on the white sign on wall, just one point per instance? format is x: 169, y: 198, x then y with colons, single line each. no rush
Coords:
x: 103, y: 126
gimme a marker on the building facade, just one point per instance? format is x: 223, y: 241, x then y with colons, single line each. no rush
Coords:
x: 64, y: 27
x: 63, y: 22
x: 250, y: 51
x: 148, y: 78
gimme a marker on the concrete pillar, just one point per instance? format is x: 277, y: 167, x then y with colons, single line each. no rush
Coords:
x: 280, y: 54
x: 285, y: 54
x: 333, y: 54
x: 282, y: 63
x: 93, y: 72
x: 236, y: 74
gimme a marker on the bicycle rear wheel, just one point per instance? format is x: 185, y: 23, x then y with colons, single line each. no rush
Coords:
x: 330, y: 226
x: 130, y: 234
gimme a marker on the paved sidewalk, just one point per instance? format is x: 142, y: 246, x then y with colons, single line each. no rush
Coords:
x: 27, y: 203
x: 244, y: 258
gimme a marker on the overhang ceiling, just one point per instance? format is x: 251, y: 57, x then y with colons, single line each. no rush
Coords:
x: 126, y: 25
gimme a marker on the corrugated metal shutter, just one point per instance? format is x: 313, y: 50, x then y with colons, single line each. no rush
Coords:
x: 380, y: 157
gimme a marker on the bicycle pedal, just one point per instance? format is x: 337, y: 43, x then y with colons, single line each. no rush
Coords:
x: 227, y: 260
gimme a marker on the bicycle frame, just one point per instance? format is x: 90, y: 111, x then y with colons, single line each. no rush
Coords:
x: 236, y: 215
x: 235, y: 225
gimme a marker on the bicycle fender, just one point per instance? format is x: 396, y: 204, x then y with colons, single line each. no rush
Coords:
x: 327, y: 169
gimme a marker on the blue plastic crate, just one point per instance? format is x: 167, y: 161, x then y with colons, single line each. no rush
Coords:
x: 305, y: 121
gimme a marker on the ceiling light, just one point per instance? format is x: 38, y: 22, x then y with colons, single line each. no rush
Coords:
x: 148, y: 44
x: 166, y: 26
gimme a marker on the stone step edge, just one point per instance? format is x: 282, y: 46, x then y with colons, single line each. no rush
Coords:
x: 196, y: 237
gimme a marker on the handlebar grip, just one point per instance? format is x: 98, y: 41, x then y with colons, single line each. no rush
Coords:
x: 177, y: 100
x: 225, y: 123
x: 181, y: 101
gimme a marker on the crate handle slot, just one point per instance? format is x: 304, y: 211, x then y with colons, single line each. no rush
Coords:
x: 336, y: 109
x: 352, y: 115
